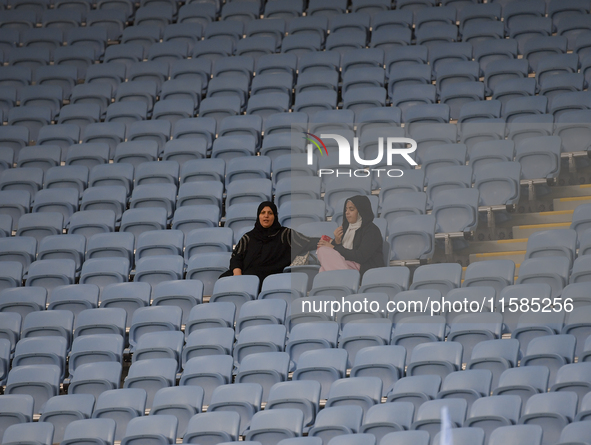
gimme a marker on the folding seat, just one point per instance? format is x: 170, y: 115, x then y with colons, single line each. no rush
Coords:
x: 337, y: 421
x: 105, y: 271
x: 573, y: 27
x: 120, y: 57
x: 11, y: 322
x: 390, y: 39
x: 255, y: 339
x: 552, y: 243
x: 503, y: 70
x: 63, y: 247
x: 120, y: 406
x: 576, y: 431
x: 407, y: 438
x: 213, y: 49
x: 183, y: 403
x: 257, y: 313
x: 437, y: 33
x: 154, y: 196
x: 467, y: 385
x: 236, y: 290
x: 127, y: 296
x: 154, y: 319
x: 243, y: 399
x: 209, y: 372
x: 110, y: 18
x: 265, y: 368
x: 573, y: 377
x: 412, y: 95
x: 78, y: 56
x: 151, y: 375
x: 149, y: 268
x: 176, y: 89
x: 449, y: 74
x: 139, y: 90
x: 39, y: 226
x: 360, y: 391
x: 91, y: 222
x: 209, y: 341
x: 22, y: 179
x: 405, y: 234
x: 343, y: 282
x: 317, y: 62
x: 382, y: 419
x: 173, y: 110
x: 5, y: 225
x: 61, y: 411
x: 40, y: 433
x: 158, y: 242
x: 429, y: 418
x: 168, y: 52
x: 494, y: 355
x: 74, y: 298
x: 211, y: 428
x: 100, y: 321
x: 64, y: 201
x: 83, y: 430
x: 100, y: 94
x: 544, y: 151
x: 38, y: 351
x: 190, y: 218
x: 490, y: 413
x: 39, y: 381
x: 154, y: 15
x: 15, y: 76
x: 282, y: 10
x: 126, y: 112
x: 105, y: 197
x: 49, y: 96
x: 273, y: 82
x: 526, y: 28
x: 248, y: 168
x: 435, y: 358
x: 200, y: 193
x: 81, y: 114
x: 158, y: 345
x: 523, y: 382
x: 144, y: 35
x: 513, y: 88
x: 201, y: 14
x: 535, y: 270
x: 566, y: 102
x: 558, y: 84
x: 414, y: 74
x: 95, y: 37
x: 95, y: 348
x: 16, y: 409
x: 95, y: 378
x: 32, y: 57
x: 498, y: 183
x: 30, y: 117
x: 483, y: 32
x: 552, y: 411
x: 580, y: 270
x: 21, y: 249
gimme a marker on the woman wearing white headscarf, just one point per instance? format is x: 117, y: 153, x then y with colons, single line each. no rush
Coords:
x: 357, y: 243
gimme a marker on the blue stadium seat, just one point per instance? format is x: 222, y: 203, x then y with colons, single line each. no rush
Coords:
x: 212, y: 428
x: 337, y: 421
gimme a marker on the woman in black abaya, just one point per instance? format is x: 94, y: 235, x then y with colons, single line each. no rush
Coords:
x: 269, y: 247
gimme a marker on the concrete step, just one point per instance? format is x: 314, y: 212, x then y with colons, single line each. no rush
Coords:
x: 521, y: 219
x: 570, y: 191
x: 506, y: 245
x: 570, y: 203
x: 517, y: 256
x: 526, y: 230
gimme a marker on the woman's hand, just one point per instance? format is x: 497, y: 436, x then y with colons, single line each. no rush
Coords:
x: 338, y: 235
x: 237, y: 271
x: 323, y: 243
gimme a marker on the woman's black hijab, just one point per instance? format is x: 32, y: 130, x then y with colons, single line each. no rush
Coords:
x: 259, y: 232
x: 363, y: 206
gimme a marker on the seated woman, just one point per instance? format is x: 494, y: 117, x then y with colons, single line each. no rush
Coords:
x: 269, y: 247
x: 357, y: 243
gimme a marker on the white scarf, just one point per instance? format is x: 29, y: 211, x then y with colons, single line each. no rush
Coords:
x: 350, y: 234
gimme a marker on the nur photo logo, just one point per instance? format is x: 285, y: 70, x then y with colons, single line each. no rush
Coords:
x: 393, y: 148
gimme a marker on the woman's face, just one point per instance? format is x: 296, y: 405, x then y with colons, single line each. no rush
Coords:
x: 351, y: 213
x: 266, y: 217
